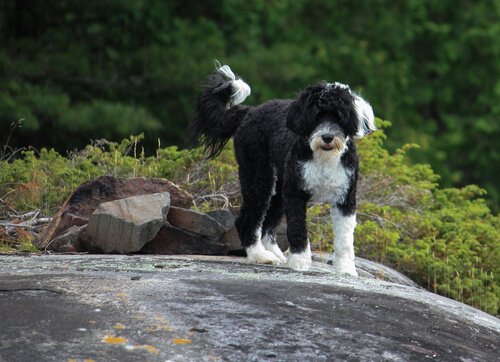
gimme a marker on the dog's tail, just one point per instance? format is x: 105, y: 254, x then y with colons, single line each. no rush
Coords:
x: 217, y: 112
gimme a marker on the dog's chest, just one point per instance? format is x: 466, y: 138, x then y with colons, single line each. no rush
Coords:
x: 326, y: 180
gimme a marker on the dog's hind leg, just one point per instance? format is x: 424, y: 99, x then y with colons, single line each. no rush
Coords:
x: 257, y: 183
x: 273, y: 217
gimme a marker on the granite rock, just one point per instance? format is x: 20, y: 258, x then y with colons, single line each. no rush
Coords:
x: 126, y: 225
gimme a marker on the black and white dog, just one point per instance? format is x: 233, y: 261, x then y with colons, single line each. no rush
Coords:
x: 289, y: 152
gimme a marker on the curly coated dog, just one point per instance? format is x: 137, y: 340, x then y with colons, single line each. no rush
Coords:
x: 289, y: 153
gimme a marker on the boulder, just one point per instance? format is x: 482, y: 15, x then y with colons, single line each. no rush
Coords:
x: 195, y: 222
x: 126, y: 225
x: 69, y: 240
x: 173, y: 240
x: 203, y: 308
x: 227, y: 217
x: 88, y: 196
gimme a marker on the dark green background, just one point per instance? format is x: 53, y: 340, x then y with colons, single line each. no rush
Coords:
x: 82, y: 70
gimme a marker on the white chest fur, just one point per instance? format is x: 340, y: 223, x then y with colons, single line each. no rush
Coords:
x: 326, y: 179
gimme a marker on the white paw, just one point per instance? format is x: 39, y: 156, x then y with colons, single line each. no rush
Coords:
x: 270, y: 244
x: 257, y: 254
x: 277, y: 251
x: 301, y: 261
x: 344, y: 265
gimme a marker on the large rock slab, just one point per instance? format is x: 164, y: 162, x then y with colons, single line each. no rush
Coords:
x: 158, y: 308
x: 84, y: 200
x: 173, y: 240
x: 126, y: 225
x: 370, y: 269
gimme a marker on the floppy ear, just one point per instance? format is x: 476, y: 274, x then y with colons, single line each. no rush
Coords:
x: 365, y: 117
x: 294, y: 118
x: 302, y: 113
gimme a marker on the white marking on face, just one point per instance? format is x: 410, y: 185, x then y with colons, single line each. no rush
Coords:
x: 322, y: 149
x: 338, y: 85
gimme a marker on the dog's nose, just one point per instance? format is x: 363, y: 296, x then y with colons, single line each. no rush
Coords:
x: 327, y: 138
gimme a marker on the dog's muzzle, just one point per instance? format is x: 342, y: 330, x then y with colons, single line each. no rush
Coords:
x: 328, y: 142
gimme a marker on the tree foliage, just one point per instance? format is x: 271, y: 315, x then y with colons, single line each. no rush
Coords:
x: 81, y: 70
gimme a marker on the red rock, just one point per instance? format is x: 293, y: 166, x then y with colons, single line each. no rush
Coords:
x: 172, y: 240
x: 69, y: 241
x: 195, y: 222
x: 88, y: 196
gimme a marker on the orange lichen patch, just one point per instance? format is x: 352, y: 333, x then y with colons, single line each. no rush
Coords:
x: 119, y: 326
x: 147, y: 347
x: 114, y: 340
x: 89, y: 360
x: 181, y: 341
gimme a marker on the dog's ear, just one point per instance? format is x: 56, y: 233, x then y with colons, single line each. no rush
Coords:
x: 365, y: 118
x: 301, y: 113
x: 294, y: 120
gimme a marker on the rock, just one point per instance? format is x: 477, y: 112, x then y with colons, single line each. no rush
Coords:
x: 370, y: 269
x: 231, y: 238
x: 173, y: 240
x: 126, y: 225
x: 85, y: 199
x: 383, y: 272
x: 202, y: 308
x: 69, y: 241
x: 227, y: 217
x: 195, y: 222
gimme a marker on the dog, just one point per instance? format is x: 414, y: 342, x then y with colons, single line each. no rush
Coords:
x: 289, y: 153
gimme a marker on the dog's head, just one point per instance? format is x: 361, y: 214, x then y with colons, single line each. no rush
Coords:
x: 328, y: 114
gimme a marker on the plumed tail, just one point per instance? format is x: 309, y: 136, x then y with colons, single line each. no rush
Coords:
x: 218, y: 114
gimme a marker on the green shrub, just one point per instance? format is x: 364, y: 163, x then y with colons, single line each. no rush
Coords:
x: 447, y: 240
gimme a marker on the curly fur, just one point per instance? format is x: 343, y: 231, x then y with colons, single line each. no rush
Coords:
x: 289, y: 152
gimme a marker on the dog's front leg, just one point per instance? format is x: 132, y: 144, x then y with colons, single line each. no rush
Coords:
x: 343, y: 244
x: 296, y: 231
